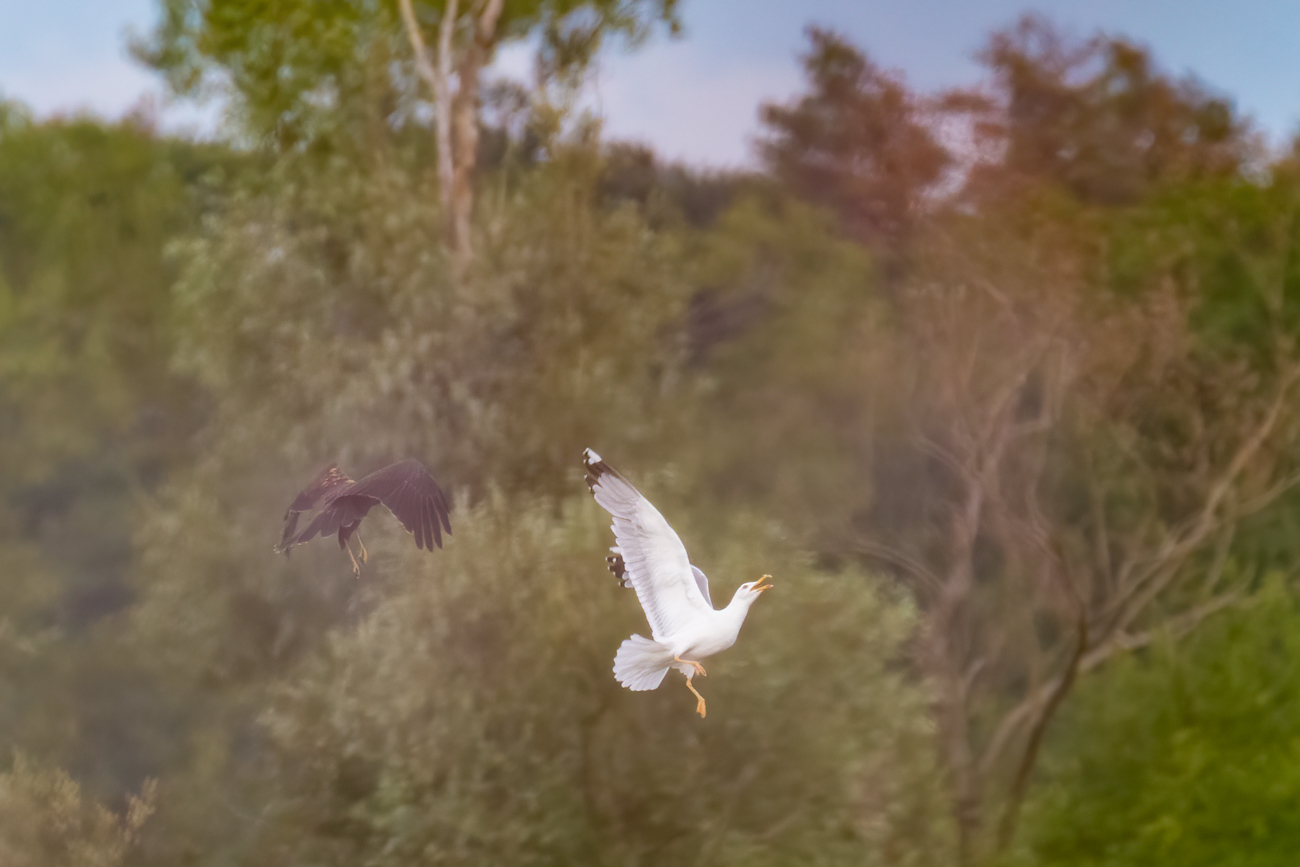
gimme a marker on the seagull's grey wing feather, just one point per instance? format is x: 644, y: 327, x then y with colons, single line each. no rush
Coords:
x: 653, y: 556
x: 703, y: 582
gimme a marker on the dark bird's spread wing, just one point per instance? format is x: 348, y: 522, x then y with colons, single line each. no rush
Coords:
x: 322, y: 489
x: 343, y: 510
x: 414, y: 498
x: 339, y: 504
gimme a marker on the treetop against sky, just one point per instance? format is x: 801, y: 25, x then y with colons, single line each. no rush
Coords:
x: 697, y: 98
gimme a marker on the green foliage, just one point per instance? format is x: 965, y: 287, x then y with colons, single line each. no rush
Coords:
x: 92, y: 417
x: 671, y: 194
x: 91, y: 410
x: 1229, y: 246
x: 85, y: 213
x: 1185, y: 754
x: 786, y: 327
x: 45, y: 821
x: 338, y: 76
x: 471, y: 717
x: 303, y: 71
x: 325, y: 323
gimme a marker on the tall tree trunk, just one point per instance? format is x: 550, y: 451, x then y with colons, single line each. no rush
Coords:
x: 442, y: 112
x: 465, y: 127
x: 455, y: 114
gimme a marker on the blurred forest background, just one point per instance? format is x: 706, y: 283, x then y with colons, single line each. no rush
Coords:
x: 999, y: 384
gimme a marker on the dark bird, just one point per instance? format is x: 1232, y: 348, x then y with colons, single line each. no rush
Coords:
x: 339, y: 504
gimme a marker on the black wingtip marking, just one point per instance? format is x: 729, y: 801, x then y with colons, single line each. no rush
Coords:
x: 618, y: 569
x: 595, y: 467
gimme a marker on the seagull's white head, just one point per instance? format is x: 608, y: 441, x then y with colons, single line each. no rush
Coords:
x: 749, y: 591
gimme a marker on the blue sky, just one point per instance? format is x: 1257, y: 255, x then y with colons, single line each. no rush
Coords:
x: 697, y: 98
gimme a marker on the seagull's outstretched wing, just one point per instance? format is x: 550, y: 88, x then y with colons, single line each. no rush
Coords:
x: 411, y: 494
x: 654, y: 559
x: 619, y: 570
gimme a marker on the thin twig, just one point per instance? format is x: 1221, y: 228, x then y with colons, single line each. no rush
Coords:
x: 900, y: 558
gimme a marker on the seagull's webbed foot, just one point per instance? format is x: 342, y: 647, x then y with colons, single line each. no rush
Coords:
x: 699, y: 669
x: 699, y: 706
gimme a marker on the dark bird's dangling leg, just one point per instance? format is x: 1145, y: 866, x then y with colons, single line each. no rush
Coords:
x: 365, y: 558
x: 346, y: 533
x: 699, y: 707
x: 356, y: 567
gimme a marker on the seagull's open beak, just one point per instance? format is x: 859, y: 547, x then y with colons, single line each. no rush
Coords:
x: 761, y: 586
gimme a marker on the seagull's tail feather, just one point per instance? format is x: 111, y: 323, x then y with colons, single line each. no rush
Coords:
x: 641, y: 664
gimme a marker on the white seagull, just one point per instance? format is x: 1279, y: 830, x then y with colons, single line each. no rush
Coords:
x: 650, y: 559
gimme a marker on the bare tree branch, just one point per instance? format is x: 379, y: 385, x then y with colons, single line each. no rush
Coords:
x: 1165, y: 562
x: 1045, y: 710
x: 1071, y: 517
x: 929, y: 581
x: 1175, y: 627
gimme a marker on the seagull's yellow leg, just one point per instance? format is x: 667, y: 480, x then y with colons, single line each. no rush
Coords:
x: 699, y: 669
x: 699, y: 708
